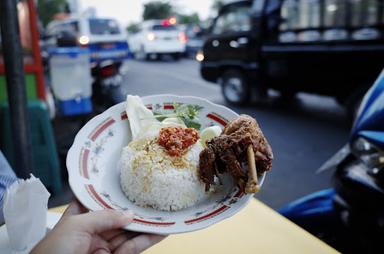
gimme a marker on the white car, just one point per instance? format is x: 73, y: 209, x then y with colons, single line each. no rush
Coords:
x: 156, y: 38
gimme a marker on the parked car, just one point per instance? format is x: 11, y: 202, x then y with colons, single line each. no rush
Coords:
x: 104, y: 37
x: 324, y: 47
x: 157, y: 38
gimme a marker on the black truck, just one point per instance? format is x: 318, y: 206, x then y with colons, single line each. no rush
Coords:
x: 328, y: 47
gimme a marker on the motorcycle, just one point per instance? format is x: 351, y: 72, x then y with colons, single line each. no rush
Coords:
x: 106, y: 86
x: 105, y: 67
x: 350, y: 216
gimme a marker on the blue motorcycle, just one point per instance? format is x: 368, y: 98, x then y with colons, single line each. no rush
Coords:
x: 350, y: 216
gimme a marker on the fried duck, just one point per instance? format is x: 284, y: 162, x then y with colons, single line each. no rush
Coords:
x: 241, y: 150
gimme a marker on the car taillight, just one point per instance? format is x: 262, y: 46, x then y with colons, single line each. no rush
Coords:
x: 108, y: 71
x: 168, y: 22
x: 183, y: 37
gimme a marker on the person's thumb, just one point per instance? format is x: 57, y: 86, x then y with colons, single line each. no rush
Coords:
x: 99, y: 221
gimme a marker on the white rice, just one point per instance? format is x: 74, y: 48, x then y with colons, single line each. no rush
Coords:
x: 150, y: 177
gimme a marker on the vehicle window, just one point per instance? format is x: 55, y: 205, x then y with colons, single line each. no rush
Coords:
x: 70, y: 27
x: 314, y: 20
x: 193, y: 32
x: 235, y: 20
x: 309, y: 14
x: 289, y: 15
x: 335, y: 13
x: 300, y: 14
x: 258, y: 6
x: 365, y: 13
x: 103, y: 26
x: 51, y: 30
x: 272, y: 6
x: 164, y: 28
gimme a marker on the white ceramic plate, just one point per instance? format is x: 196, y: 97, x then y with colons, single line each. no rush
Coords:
x: 92, y: 164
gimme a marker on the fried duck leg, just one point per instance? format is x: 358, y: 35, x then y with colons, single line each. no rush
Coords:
x: 241, y: 150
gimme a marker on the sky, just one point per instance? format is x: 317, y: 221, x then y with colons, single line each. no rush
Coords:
x: 127, y: 11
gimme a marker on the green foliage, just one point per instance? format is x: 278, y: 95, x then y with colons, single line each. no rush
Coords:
x: 46, y: 9
x: 192, y: 19
x: 133, y: 28
x: 157, y: 10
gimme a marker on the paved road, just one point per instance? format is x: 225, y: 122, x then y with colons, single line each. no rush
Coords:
x: 303, y: 133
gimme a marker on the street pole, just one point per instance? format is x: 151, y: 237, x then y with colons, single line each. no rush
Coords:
x: 14, y: 71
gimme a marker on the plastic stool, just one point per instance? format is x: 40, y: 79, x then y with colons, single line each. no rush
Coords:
x: 45, y: 158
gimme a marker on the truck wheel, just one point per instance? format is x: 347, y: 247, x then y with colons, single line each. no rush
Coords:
x: 235, y: 87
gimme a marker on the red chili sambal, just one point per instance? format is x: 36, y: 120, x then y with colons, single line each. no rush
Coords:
x: 176, y: 140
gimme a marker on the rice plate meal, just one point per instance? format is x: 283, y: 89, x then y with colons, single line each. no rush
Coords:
x: 171, y: 165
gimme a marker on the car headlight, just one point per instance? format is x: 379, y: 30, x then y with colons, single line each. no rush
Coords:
x: 83, y: 40
x: 200, y: 56
x: 371, y: 155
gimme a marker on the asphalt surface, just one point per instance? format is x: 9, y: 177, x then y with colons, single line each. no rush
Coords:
x: 303, y: 133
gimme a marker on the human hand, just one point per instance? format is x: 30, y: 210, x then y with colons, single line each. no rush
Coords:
x: 94, y: 232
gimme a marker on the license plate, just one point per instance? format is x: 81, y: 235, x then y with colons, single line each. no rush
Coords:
x: 109, y: 53
x: 108, y: 45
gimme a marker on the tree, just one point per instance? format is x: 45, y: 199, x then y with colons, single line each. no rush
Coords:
x: 133, y: 28
x: 157, y: 10
x: 192, y: 19
x: 46, y: 9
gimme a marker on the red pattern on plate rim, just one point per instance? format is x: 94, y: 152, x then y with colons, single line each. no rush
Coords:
x: 95, y: 196
x: 100, y: 128
x: 239, y: 194
x: 208, y: 216
x: 153, y: 223
x: 217, y: 118
x: 84, y: 153
x: 168, y: 106
x: 123, y: 116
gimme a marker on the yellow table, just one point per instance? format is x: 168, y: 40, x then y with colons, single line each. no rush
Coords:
x: 256, y: 229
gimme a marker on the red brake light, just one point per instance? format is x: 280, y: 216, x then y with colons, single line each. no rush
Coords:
x: 108, y: 71
x: 183, y: 37
x: 165, y: 22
